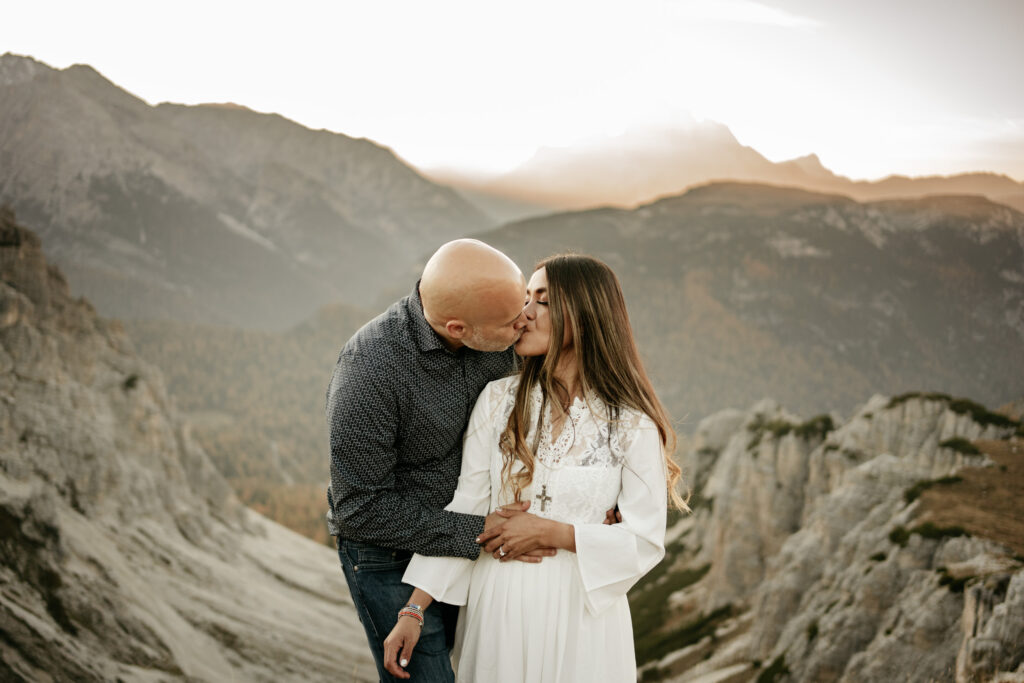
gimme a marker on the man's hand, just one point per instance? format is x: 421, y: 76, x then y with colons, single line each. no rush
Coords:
x: 613, y: 516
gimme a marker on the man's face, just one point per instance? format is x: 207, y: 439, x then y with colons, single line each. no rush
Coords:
x: 503, y: 324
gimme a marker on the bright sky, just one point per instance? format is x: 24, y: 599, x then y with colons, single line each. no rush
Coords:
x: 873, y: 87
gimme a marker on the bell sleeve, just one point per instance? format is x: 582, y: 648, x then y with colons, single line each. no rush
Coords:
x: 612, y: 558
x: 447, y: 578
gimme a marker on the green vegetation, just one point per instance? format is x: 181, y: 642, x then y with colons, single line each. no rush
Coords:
x: 812, y: 631
x: 816, y: 427
x: 980, y: 413
x: 954, y: 585
x: 655, y: 673
x: 878, y: 557
x: 915, y: 491
x: 657, y: 644
x: 924, y: 396
x: 820, y: 425
x: 928, y: 530
x: 698, y: 501
x: 648, y: 602
x: 960, y: 406
x: 776, y: 670
x: 899, y: 536
x: 960, y: 445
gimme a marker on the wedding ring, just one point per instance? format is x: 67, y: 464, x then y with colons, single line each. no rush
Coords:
x: 501, y: 551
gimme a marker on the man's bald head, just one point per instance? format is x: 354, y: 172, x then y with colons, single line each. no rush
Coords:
x: 473, y: 295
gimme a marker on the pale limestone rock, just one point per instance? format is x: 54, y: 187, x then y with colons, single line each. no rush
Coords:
x: 798, y: 536
x: 125, y: 555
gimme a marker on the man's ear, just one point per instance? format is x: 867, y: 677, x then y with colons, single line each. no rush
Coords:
x: 457, y: 329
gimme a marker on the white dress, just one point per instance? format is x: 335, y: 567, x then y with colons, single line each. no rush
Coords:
x: 567, y: 618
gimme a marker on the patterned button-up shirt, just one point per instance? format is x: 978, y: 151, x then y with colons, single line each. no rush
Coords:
x: 397, y: 406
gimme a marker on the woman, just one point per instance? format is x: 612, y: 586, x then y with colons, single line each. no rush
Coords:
x: 576, y: 432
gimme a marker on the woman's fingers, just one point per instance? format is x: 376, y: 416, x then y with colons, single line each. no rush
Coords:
x: 512, y: 553
x: 390, y: 652
x: 406, y: 655
x: 392, y: 644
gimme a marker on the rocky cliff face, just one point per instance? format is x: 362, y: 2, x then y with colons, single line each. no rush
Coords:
x: 125, y: 555
x: 825, y: 555
x: 211, y: 213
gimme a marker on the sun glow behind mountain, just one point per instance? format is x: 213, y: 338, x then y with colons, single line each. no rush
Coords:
x: 871, y: 88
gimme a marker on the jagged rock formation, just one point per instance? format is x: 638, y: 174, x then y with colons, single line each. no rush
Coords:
x: 124, y: 553
x: 820, y: 553
x: 210, y: 213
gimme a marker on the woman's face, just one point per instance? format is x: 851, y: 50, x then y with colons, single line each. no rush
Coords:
x: 534, y: 340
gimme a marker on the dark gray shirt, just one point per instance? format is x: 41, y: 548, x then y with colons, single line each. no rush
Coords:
x: 397, y: 406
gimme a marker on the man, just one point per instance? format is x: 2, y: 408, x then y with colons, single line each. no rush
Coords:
x: 398, y: 403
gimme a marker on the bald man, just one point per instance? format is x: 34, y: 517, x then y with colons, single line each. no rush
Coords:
x: 397, y: 406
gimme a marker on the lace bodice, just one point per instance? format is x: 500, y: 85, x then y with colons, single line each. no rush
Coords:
x: 592, y: 465
x: 578, y: 473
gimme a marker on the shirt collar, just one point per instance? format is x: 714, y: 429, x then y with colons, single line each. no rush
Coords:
x: 423, y: 335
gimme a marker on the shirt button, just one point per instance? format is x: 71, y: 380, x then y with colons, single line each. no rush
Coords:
x: 355, y: 568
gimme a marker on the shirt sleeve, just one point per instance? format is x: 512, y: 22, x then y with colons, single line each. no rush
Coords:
x: 363, y: 413
x: 447, y: 578
x: 612, y: 558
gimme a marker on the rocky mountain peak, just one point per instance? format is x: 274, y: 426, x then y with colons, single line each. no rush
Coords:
x: 19, y: 68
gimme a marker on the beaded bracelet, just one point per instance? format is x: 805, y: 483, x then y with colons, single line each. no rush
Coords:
x: 414, y: 615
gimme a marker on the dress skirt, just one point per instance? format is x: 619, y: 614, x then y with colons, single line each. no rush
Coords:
x: 529, y: 622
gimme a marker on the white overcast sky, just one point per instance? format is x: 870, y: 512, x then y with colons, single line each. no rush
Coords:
x: 873, y: 87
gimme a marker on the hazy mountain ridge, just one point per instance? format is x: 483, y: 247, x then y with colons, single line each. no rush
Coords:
x: 738, y: 291
x: 641, y: 166
x: 125, y: 554
x: 818, y: 550
x: 208, y: 213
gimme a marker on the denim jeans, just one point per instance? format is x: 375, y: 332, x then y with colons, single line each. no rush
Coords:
x: 374, y: 576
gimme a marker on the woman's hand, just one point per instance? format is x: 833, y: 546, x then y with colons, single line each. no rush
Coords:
x: 522, y: 533
x: 399, y: 644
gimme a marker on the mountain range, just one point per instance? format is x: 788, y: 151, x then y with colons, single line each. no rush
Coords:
x: 642, y: 165
x: 210, y: 213
x: 738, y: 291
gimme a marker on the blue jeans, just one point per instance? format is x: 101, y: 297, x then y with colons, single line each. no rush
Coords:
x: 374, y: 576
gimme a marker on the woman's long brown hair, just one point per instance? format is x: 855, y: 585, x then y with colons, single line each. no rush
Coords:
x: 585, y: 297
